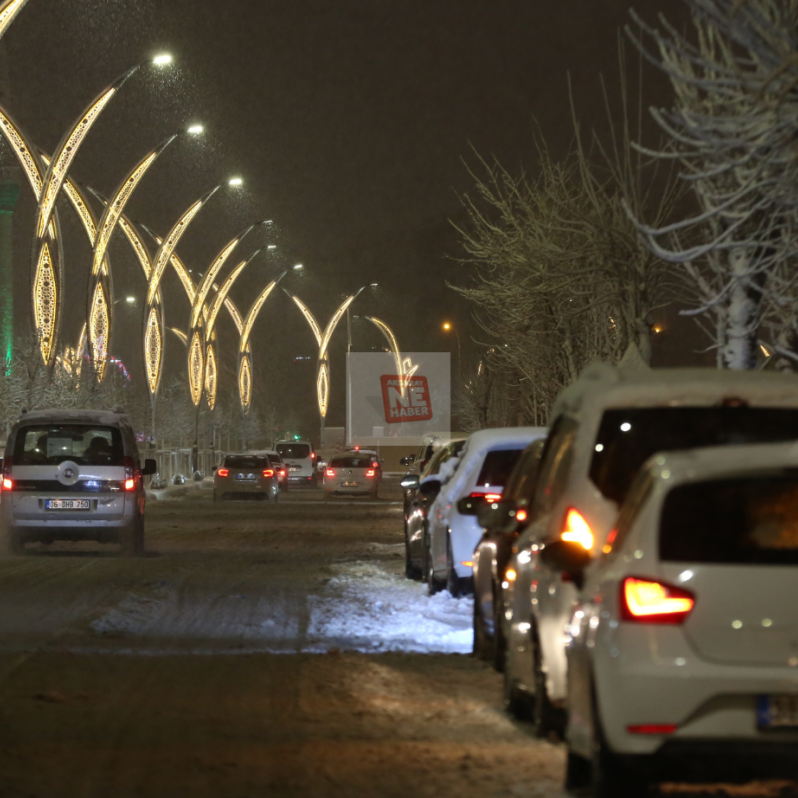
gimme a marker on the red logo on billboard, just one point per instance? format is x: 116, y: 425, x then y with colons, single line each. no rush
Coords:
x: 405, y: 399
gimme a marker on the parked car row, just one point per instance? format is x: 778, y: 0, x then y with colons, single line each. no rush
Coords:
x: 634, y: 572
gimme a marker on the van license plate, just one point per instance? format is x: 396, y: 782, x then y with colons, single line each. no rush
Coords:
x: 67, y: 504
x: 349, y: 484
x: 777, y: 711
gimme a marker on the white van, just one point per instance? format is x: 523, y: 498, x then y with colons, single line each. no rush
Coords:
x: 300, y: 461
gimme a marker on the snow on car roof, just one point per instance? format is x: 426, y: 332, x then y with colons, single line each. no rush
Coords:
x: 478, y: 445
x: 604, y: 386
x: 83, y: 416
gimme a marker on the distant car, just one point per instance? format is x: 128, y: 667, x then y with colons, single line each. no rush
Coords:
x: 682, y: 652
x: 277, y: 464
x: 485, y: 464
x: 420, y: 491
x: 246, y: 476
x: 300, y: 461
x: 376, y: 462
x: 493, y: 553
x: 350, y: 475
x: 73, y: 475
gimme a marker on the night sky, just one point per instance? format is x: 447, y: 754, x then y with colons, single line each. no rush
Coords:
x: 349, y: 121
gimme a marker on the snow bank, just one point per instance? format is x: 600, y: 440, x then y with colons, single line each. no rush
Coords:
x: 379, y: 611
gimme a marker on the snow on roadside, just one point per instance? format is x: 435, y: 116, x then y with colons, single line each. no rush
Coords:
x: 369, y: 609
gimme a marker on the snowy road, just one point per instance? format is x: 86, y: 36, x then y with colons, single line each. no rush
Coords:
x: 255, y: 650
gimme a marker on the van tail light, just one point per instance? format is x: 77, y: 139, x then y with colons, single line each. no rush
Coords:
x: 330, y: 472
x: 576, y: 530
x: 650, y: 601
x: 282, y: 472
x: 268, y: 472
x: 130, y: 473
x: 652, y: 728
x: 370, y: 472
x: 313, y: 455
x: 8, y: 484
x: 223, y: 472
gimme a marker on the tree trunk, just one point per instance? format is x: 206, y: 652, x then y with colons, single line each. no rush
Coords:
x: 743, y: 311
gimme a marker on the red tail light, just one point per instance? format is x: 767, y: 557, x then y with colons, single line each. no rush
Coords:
x: 131, y: 471
x: 488, y: 497
x: 223, y: 472
x: 282, y: 472
x: 649, y: 601
x: 313, y: 455
x: 130, y: 484
x: 268, y: 472
x: 330, y: 472
x: 576, y: 530
x: 652, y: 728
x: 7, y: 484
x: 370, y: 472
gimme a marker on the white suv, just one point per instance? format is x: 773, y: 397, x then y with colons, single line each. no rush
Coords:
x: 683, y: 653
x: 604, y: 427
x: 300, y: 461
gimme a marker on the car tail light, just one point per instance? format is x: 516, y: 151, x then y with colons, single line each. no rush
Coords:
x: 8, y: 484
x: 313, y: 455
x: 652, y: 728
x: 330, y: 472
x: 282, y: 472
x: 130, y: 484
x: 268, y: 472
x: 370, y: 472
x: 576, y: 529
x: 521, y: 516
x: 130, y: 473
x: 223, y: 472
x: 649, y: 601
x: 491, y: 497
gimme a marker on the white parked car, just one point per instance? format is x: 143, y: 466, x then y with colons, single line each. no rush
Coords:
x: 604, y: 427
x: 477, y: 476
x: 683, y: 652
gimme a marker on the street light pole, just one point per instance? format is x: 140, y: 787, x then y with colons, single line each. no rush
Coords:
x: 449, y: 327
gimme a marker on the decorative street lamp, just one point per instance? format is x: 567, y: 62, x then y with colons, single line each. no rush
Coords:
x: 8, y: 11
x: 449, y: 327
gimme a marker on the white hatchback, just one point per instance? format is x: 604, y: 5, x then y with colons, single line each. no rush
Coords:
x: 683, y: 651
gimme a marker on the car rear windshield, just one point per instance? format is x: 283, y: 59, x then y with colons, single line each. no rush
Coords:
x: 627, y: 438
x: 85, y: 444
x: 293, y: 451
x: 245, y: 461
x: 497, y: 467
x: 747, y: 520
x: 351, y: 462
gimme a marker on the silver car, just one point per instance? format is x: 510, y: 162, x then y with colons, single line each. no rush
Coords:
x: 350, y: 475
x: 246, y: 476
x: 73, y: 475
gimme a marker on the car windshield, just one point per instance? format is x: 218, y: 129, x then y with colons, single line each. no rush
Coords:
x: 351, y: 462
x: 497, y: 467
x: 245, y: 461
x: 293, y: 451
x: 627, y: 438
x: 746, y: 520
x: 85, y: 444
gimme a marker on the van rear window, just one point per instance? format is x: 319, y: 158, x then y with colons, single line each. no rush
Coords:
x: 85, y: 444
x: 627, y: 438
x: 748, y: 520
x: 293, y: 451
x: 497, y: 467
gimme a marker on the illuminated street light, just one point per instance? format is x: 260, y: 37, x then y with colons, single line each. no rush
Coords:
x: 162, y: 60
x: 272, y: 246
x: 8, y: 11
x: 195, y: 130
x: 236, y: 181
x: 131, y: 300
x: 298, y: 267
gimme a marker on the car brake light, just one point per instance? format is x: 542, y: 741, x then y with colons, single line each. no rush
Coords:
x: 521, y: 515
x: 268, y: 472
x: 282, y: 472
x: 330, y: 472
x: 577, y: 530
x: 313, y: 455
x: 652, y: 728
x: 130, y: 484
x: 7, y: 484
x: 648, y: 601
x: 370, y: 472
x: 223, y: 472
x: 130, y: 473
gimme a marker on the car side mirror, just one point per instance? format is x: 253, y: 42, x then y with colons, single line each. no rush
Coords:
x: 430, y: 489
x: 410, y: 482
x: 567, y: 557
x: 406, y: 461
x: 150, y: 467
x: 500, y: 515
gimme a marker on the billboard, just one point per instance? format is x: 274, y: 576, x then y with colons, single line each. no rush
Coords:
x: 397, y: 400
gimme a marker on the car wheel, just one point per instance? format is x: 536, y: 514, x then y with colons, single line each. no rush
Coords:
x: 516, y: 702
x: 433, y: 585
x: 498, y: 644
x: 452, y: 580
x: 548, y: 718
x: 610, y: 777
x: 411, y: 571
x: 481, y: 647
x: 131, y: 540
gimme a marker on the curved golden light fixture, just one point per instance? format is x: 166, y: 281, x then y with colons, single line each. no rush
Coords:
x: 99, y: 329
x: 153, y: 348
x: 245, y: 383
x: 223, y: 291
x: 196, y: 368
x: 26, y: 156
x: 164, y: 254
x: 45, y: 300
x: 210, y: 276
x: 394, y: 344
x: 310, y: 318
x: 210, y: 377
x: 323, y: 388
x: 249, y: 322
x: 181, y: 335
x: 8, y: 11
x: 115, y: 208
